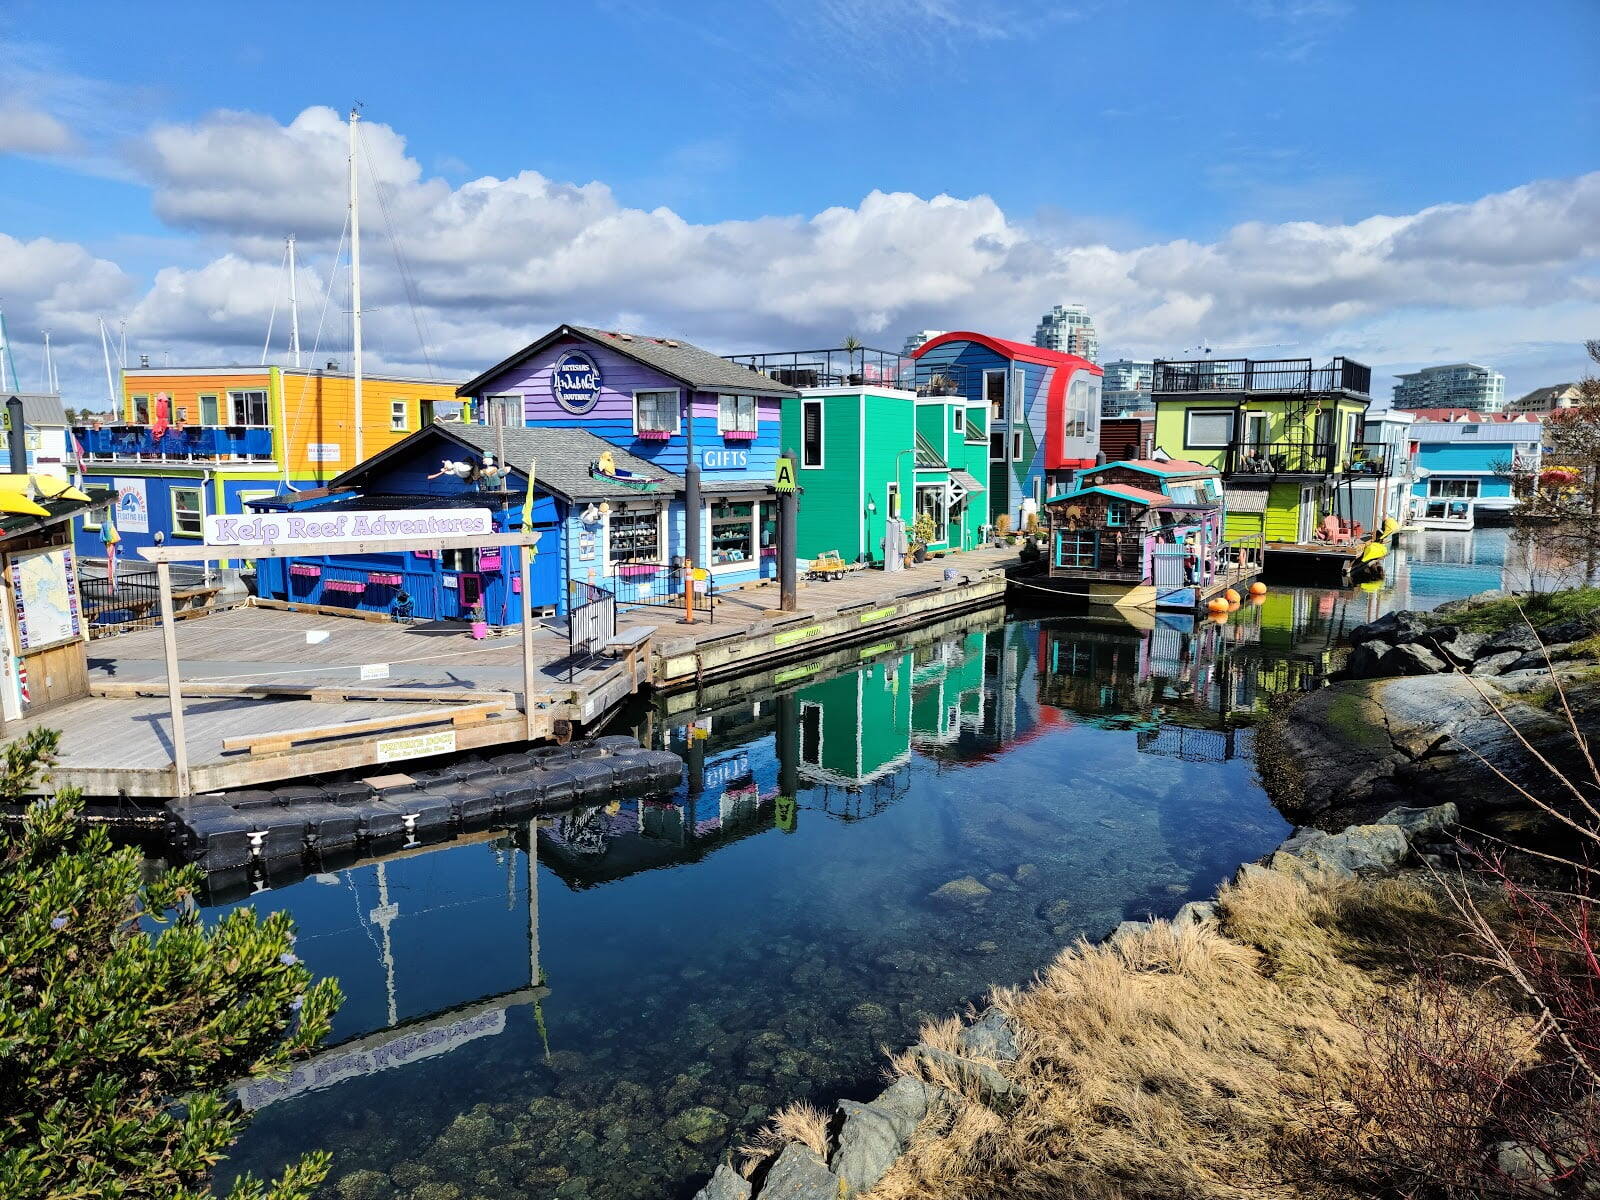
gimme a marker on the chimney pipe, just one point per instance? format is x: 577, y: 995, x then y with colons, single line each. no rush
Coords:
x: 144, y: 360
x: 18, y: 438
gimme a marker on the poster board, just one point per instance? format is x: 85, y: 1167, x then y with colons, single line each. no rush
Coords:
x: 45, y: 590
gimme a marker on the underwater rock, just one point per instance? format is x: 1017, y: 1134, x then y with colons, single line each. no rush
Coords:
x: 409, y: 1174
x: 966, y: 891
x: 798, y: 1174
x: 725, y: 1185
x: 467, y: 1134
x: 984, y: 947
x: 364, y: 1185
x: 1025, y: 873
x: 998, y: 882
x: 698, y: 1126
x: 868, y: 1013
x: 435, y: 1190
x: 1056, y: 912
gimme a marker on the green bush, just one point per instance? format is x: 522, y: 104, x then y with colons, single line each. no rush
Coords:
x: 118, y: 1043
x: 1540, y: 608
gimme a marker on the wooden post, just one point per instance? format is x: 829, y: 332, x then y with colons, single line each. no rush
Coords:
x: 688, y: 591
x: 527, y: 643
x: 169, y: 642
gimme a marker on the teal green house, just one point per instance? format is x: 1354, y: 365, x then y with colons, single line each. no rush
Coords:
x: 871, y: 444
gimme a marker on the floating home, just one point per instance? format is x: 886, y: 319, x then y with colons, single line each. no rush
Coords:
x: 193, y: 442
x: 872, y: 444
x: 1377, y: 485
x: 1145, y: 534
x: 1042, y: 412
x: 1284, y: 434
x: 1469, y: 465
x: 670, y: 406
x: 44, y: 437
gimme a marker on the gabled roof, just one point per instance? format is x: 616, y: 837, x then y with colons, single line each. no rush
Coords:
x: 40, y: 408
x: 562, y: 455
x: 697, y: 369
x: 1017, y: 350
x: 1117, y: 491
x: 1163, y: 467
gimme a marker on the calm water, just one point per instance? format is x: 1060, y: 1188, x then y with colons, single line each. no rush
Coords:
x: 606, y: 1017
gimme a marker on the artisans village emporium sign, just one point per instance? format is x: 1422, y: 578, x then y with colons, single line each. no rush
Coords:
x: 575, y: 382
x: 268, y: 529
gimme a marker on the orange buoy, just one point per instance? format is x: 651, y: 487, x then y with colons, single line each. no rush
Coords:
x: 1233, y: 606
x: 1258, y: 588
x: 1219, y: 618
x: 1231, y: 596
x: 1217, y: 605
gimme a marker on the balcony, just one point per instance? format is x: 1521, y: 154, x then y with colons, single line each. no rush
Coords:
x: 1278, y: 460
x: 1282, y: 375
x: 192, y: 443
x: 839, y: 367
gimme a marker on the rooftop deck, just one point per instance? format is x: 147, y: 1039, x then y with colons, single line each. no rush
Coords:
x: 1281, y: 375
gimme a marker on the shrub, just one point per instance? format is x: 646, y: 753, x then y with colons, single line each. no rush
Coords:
x: 118, y: 1045
x: 923, y: 529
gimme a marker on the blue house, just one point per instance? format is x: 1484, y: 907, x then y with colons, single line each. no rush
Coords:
x: 1468, y: 464
x: 1042, y: 409
x: 597, y: 507
x: 676, y: 409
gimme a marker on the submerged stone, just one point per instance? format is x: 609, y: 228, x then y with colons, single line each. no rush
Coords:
x: 964, y: 891
x: 698, y: 1126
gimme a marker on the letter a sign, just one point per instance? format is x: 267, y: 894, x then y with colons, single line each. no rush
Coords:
x: 783, y: 481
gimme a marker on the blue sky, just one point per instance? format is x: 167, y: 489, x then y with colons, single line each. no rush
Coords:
x: 1102, y: 134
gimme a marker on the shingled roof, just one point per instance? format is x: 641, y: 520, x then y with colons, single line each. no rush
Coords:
x: 700, y: 370
x: 563, y: 455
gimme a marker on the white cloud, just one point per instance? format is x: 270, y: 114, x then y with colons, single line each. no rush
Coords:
x: 25, y: 130
x: 497, y: 261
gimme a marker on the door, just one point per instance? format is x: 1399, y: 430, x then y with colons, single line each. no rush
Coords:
x: 1308, y: 514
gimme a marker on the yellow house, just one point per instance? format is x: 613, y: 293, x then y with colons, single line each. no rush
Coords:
x: 198, y: 441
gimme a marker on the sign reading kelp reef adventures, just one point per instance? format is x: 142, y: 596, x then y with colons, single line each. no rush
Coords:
x: 268, y: 529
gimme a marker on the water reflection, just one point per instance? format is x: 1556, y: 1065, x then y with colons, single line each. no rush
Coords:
x: 600, y: 1004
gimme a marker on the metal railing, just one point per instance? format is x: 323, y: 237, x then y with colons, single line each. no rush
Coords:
x: 1370, y: 459
x: 134, y: 604
x: 234, y: 442
x: 648, y: 584
x: 1282, y: 458
x: 836, y: 367
x: 1268, y: 375
x: 591, y: 624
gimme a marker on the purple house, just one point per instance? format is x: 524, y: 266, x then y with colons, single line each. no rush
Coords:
x: 679, y: 408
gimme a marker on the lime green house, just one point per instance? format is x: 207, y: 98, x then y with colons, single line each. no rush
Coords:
x: 871, y: 444
x: 1284, y: 433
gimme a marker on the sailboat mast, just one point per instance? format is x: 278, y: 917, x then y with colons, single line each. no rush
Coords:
x: 294, y: 309
x: 111, y: 388
x: 8, y: 379
x: 49, y: 366
x: 355, y: 285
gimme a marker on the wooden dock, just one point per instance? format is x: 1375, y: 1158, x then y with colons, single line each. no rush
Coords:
x: 266, y: 703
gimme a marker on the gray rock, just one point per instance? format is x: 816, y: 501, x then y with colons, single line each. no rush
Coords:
x: 1459, y: 646
x: 1513, y: 637
x: 1344, y: 854
x: 1251, y: 871
x: 990, y: 1036
x: 798, y: 1174
x: 1364, y: 659
x: 1392, y: 627
x: 1523, y: 680
x: 905, y: 1102
x: 1451, y: 607
x: 1526, y: 1164
x: 1126, y: 930
x: 1494, y: 664
x: 965, y: 891
x: 1420, y: 823
x: 869, y: 1144
x: 1411, y: 658
x: 726, y: 1184
x: 1572, y: 629
x: 1197, y: 912
x: 993, y: 1088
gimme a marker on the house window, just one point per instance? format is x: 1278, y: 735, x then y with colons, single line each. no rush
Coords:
x: 503, y: 410
x: 931, y: 500
x: 1076, y: 548
x: 959, y: 416
x: 1454, y: 489
x: 1016, y: 445
x: 1255, y: 430
x: 397, y: 416
x: 208, y: 411
x: 635, y: 536
x: 1019, y: 392
x: 811, y: 734
x: 1469, y: 430
x: 1208, y: 428
x: 732, y: 533
x: 997, y: 445
x: 994, y: 394
x: 1116, y: 513
x: 141, y: 410
x: 187, y: 514
x: 248, y: 408
x: 975, y: 425
x: 811, y: 433
x: 736, y: 414
x: 655, y: 412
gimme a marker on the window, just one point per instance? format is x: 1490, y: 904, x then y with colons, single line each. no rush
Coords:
x: 959, y: 416
x: 208, y: 411
x: 635, y: 536
x: 1016, y: 445
x: 1208, y: 428
x: 1076, y: 548
x: 1255, y: 430
x: 141, y: 410
x: 1116, y: 513
x: 811, y: 433
x: 994, y: 394
x: 811, y: 734
x: 655, y: 412
x: 247, y: 408
x: 1469, y: 430
x: 1092, y: 404
x: 187, y: 514
x: 398, y: 421
x: 997, y: 446
x: 1019, y: 392
x: 458, y: 561
x: 975, y: 425
x: 1075, y: 423
x: 736, y: 414
x: 503, y: 410
x: 931, y: 500
x: 1454, y: 489
x: 732, y: 533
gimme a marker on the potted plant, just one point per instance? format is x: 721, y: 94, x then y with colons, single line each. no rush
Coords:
x: 1002, y: 530
x: 922, y: 532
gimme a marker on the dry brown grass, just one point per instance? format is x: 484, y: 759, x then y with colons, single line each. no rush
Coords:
x: 800, y: 1122
x: 1174, y: 1063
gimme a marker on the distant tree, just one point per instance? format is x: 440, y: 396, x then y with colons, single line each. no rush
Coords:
x: 118, y: 1044
x: 1561, y: 512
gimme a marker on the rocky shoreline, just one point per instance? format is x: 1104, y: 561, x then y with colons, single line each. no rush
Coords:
x: 1428, y: 725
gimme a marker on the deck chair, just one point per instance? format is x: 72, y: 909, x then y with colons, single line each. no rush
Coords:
x: 1328, y: 529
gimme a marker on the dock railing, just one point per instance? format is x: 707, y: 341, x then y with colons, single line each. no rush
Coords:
x: 591, y: 624
x: 644, y: 583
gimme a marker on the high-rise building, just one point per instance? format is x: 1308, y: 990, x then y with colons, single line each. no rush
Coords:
x: 1069, y: 329
x: 1453, y: 385
x: 1126, y: 387
x: 914, y: 341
